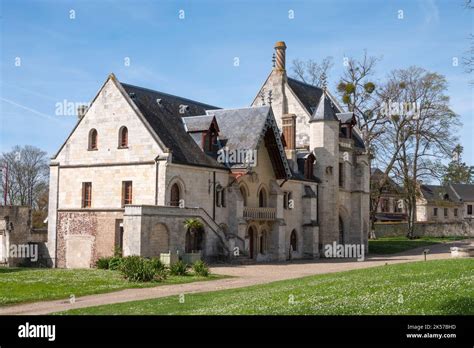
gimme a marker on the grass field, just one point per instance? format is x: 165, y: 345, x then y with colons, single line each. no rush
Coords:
x: 431, y: 287
x: 27, y: 284
x: 391, y: 245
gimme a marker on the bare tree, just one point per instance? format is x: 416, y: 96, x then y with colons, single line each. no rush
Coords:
x: 429, y: 133
x: 27, y: 174
x: 312, y: 72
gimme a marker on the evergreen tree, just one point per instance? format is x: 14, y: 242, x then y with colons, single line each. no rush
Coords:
x: 458, y: 172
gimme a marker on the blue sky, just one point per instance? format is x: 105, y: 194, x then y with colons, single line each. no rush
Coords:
x: 69, y: 59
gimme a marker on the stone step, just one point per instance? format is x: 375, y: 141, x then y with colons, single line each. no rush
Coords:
x: 242, y: 260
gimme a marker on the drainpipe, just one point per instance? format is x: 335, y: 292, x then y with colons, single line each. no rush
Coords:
x: 317, y: 204
x: 214, y: 196
x: 156, y: 180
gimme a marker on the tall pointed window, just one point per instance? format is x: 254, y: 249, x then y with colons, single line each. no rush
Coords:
x: 123, y: 137
x: 174, y: 195
x: 243, y: 192
x: 262, y: 198
x: 126, y: 192
x: 86, y: 194
x: 93, y: 139
x: 293, y: 241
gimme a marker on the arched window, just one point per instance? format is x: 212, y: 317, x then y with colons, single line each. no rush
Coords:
x: 93, y: 139
x: 174, y: 195
x: 262, y: 198
x: 293, y: 241
x: 341, y: 231
x: 123, y: 137
x: 243, y: 192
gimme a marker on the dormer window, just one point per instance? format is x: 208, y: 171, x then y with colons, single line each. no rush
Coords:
x: 92, y: 140
x: 209, y: 139
x: 123, y: 138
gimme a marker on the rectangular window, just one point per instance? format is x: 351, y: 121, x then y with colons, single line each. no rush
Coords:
x: 220, y: 198
x: 385, y: 205
x: 435, y: 211
x: 445, y: 212
x: 126, y: 192
x: 469, y: 209
x: 287, y: 200
x: 86, y: 194
x: 455, y: 212
x: 341, y: 174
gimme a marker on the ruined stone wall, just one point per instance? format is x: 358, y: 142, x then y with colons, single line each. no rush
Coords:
x: 85, y: 236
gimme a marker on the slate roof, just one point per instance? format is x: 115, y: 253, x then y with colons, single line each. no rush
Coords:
x: 197, y: 123
x: 307, y: 94
x: 437, y: 193
x: 241, y: 127
x: 463, y: 192
x: 390, y: 187
x: 166, y: 121
x: 325, y: 110
x: 345, y: 117
x: 310, y: 97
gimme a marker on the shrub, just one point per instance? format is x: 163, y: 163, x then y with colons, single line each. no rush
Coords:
x: 103, y: 263
x: 158, y: 265
x: 200, y: 268
x: 179, y: 268
x: 115, y: 262
x: 138, y: 269
x: 161, y: 271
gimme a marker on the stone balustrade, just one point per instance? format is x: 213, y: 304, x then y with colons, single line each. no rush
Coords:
x: 259, y: 213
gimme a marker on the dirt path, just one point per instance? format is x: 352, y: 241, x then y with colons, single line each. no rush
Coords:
x: 244, y: 276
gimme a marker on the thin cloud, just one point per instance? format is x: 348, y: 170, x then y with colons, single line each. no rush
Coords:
x: 33, y: 111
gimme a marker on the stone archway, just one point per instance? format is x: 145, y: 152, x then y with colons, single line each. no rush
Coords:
x: 252, y: 235
x: 341, y: 230
x: 158, y: 241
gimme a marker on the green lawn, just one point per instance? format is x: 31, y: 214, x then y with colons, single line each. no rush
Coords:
x: 391, y: 245
x: 431, y: 287
x: 29, y: 284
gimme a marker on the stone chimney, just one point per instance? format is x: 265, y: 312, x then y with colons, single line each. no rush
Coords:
x: 280, y: 49
x: 81, y: 111
x: 289, y: 130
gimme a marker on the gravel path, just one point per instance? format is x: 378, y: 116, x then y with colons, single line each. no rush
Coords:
x: 243, y: 276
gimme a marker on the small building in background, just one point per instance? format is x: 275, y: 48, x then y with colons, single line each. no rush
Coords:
x: 20, y: 244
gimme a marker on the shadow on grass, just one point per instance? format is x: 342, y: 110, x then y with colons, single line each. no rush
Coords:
x: 13, y: 270
x: 458, y: 306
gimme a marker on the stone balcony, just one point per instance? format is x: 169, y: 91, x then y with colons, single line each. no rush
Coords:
x: 259, y: 213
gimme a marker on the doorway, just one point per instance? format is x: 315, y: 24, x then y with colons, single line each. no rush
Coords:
x: 252, y: 234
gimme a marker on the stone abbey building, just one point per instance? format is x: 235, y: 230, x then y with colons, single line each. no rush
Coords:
x: 275, y: 181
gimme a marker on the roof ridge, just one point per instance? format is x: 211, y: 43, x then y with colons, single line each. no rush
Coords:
x: 245, y: 107
x: 169, y: 95
x: 304, y: 83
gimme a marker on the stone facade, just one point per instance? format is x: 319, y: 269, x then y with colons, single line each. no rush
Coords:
x: 344, y: 204
x: 264, y: 215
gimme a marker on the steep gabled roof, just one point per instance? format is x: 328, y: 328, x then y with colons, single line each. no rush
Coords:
x: 319, y: 108
x: 436, y: 193
x: 308, y: 95
x: 246, y: 129
x: 464, y: 192
x: 165, y: 118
